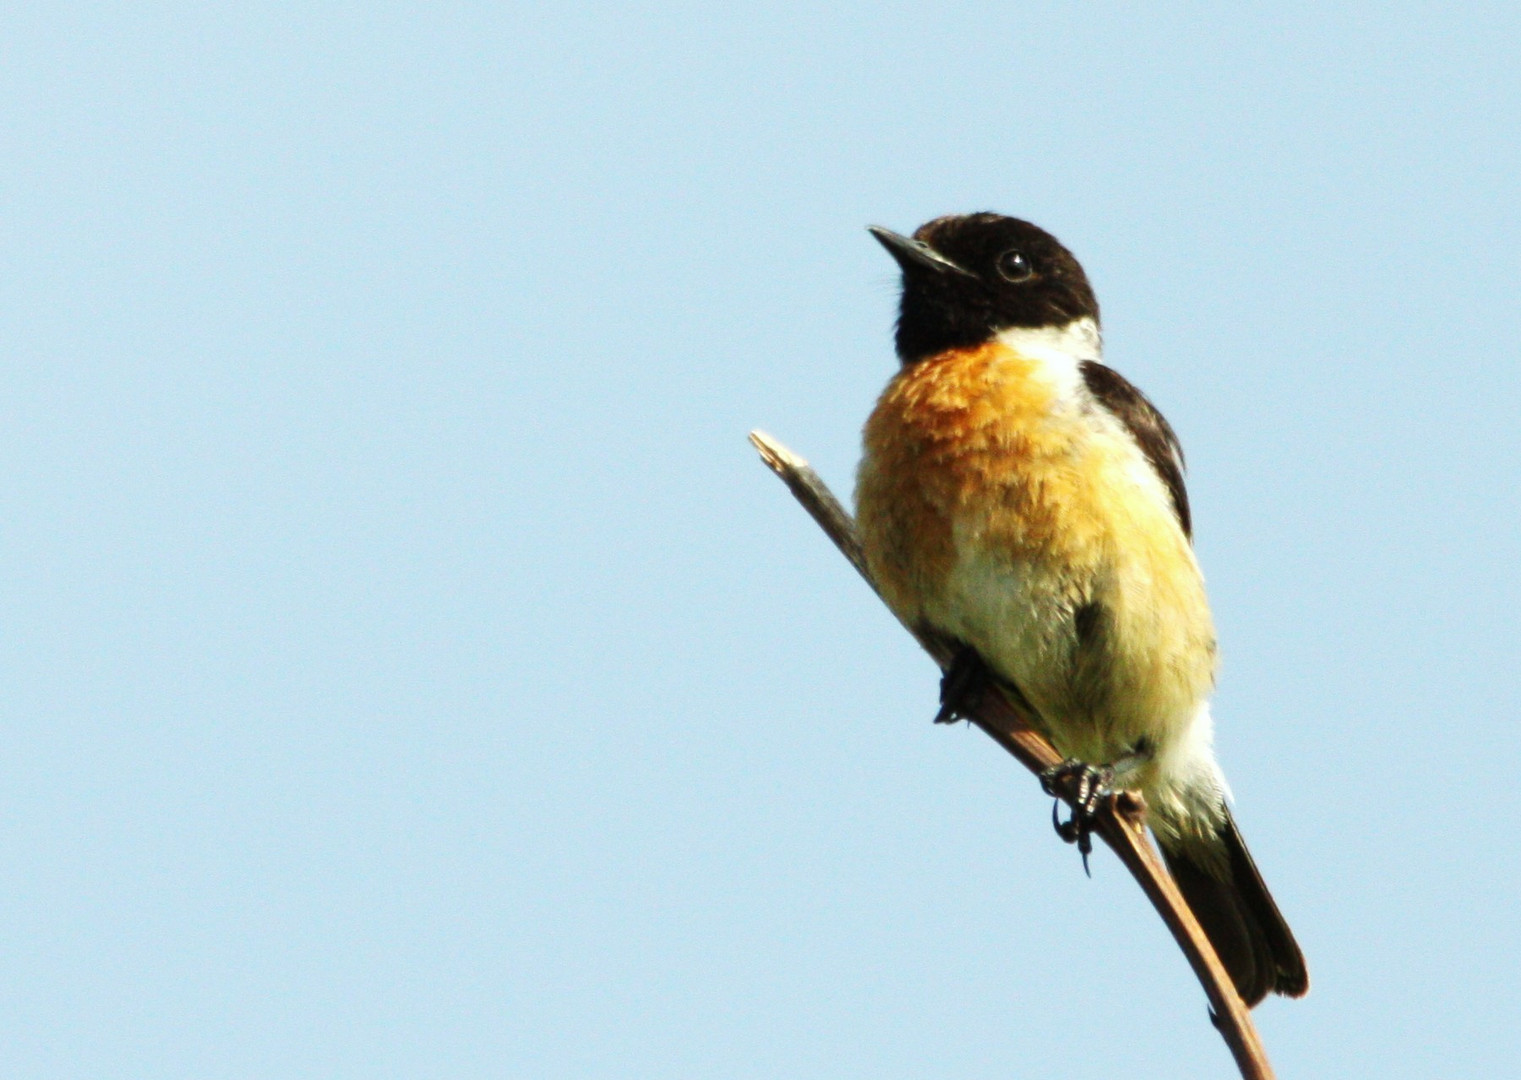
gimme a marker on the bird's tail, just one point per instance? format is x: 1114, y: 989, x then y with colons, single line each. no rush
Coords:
x: 1225, y: 890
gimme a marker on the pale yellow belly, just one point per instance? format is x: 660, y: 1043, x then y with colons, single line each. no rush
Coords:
x: 1109, y: 639
x: 997, y: 512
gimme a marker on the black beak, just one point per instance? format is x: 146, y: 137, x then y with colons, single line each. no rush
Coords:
x: 914, y: 254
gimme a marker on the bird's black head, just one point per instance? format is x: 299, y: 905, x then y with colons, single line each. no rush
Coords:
x: 970, y: 276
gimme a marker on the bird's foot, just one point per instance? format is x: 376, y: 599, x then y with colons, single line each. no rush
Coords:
x: 1083, y: 787
x: 962, y: 686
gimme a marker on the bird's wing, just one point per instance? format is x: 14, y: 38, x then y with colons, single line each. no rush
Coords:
x: 1150, y: 429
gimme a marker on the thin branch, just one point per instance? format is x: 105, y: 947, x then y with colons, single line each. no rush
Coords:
x: 1121, y: 818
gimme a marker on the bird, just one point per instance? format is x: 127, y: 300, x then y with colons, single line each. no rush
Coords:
x: 1024, y: 504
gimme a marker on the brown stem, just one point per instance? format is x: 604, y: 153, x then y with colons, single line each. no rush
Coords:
x: 1121, y: 818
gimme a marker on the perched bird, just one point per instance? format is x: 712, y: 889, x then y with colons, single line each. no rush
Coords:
x: 1025, y: 504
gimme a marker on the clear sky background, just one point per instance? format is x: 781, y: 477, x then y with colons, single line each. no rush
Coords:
x: 407, y: 669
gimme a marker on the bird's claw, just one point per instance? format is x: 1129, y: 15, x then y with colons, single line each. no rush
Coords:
x: 961, y: 686
x: 1083, y: 787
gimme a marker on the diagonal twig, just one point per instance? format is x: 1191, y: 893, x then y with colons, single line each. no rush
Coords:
x: 1121, y: 817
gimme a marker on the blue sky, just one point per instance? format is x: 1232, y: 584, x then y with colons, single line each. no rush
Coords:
x: 408, y: 670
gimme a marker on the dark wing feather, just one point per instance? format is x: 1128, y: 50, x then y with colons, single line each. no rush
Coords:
x: 1150, y: 429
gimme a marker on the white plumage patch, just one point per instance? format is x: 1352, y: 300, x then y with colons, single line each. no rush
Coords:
x: 1059, y: 350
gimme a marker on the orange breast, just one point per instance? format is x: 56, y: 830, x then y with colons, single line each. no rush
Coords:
x: 953, y: 438
x: 995, y: 499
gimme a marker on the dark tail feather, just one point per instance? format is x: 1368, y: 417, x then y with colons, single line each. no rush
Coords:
x: 1240, y: 919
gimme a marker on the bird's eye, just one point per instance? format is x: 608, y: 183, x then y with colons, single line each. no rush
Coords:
x: 1014, y: 266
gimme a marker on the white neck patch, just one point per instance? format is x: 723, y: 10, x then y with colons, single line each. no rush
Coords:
x: 1078, y: 340
x: 1058, y: 350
